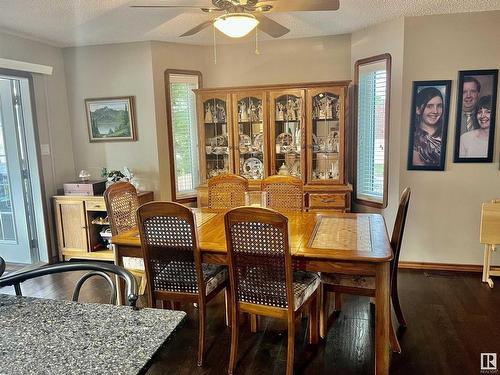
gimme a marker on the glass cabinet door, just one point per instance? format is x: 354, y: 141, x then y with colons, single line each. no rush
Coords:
x: 250, y: 137
x: 215, y: 136
x: 325, y: 135
x: 287, y: 132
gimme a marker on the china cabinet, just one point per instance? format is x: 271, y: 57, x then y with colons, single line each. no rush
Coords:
x: 260, y: 131
x: 215, y: 134
x: 325, y: 135
x: 287, y: 130
x: 250, y: 139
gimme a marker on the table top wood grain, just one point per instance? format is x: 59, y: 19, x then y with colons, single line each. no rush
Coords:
x: 313, y: 235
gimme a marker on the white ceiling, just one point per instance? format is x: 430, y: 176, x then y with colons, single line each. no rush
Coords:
x: 66, y: 23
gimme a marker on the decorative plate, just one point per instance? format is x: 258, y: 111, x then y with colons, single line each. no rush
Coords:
x: 284, y: 139
x: 258, y: 141
x: 253, y: 167
x: 245, y: 140
x: 221, y: 140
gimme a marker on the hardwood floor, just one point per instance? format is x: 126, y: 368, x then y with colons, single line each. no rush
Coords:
x: 452, y: 318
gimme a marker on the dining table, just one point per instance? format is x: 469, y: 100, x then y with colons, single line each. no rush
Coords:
x: 342, y: 243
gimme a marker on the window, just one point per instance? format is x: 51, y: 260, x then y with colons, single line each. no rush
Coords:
x: 183, y: 133
x: 372, y: 80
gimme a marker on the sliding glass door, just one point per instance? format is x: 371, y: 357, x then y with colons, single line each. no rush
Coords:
x: 15, y: 237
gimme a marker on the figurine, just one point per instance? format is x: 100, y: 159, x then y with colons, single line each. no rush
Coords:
x: 221, y: 113
x: 252, y: 112
x: 290, y: 110
x: 283, y: 171
x: 280, y: 112
x: 208, y: 114
x: 243, y: 113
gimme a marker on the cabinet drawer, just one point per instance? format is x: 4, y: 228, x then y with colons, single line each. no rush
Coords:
x: 95, y: 205
x: 327, y: 200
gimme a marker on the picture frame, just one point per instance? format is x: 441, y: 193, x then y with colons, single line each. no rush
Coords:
x: 475, y: 121
x: 111, y: 119
x: 430, y: 107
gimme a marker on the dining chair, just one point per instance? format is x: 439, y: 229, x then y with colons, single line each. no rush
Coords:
x: 261, y: 275
x: 121, y: 205
x: 227, y: 191
x: 172, y: 260
x: 284, y: 193
x: 95, y: 269
x: 365, y: 285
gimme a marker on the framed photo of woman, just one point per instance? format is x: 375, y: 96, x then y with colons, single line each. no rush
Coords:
x: 429, y: 125
x: 475, y: 128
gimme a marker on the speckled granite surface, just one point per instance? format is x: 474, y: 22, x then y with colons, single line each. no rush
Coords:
x: 39, y: 336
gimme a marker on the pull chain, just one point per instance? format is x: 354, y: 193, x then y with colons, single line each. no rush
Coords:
x: 257, y: 52
x: 215, y: 47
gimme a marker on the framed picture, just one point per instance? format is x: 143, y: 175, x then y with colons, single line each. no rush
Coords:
x: 111, y: 119
x: 429, y: 125
x: 475, y: 128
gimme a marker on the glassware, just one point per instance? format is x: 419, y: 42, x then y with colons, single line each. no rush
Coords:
x: 255, y: 198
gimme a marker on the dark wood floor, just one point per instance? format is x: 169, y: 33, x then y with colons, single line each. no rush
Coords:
x: 452, y: 318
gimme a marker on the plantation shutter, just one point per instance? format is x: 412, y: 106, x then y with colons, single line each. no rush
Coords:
x: 185, y: 133
x: 371, y: 148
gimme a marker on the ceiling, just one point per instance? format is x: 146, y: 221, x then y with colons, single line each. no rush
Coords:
x: 66, y: 23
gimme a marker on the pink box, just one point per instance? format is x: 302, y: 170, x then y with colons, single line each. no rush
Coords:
x: 84, y: 187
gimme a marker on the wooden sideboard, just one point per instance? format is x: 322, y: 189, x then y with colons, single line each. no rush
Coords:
x: 335, y: 198
x: 79, y: 220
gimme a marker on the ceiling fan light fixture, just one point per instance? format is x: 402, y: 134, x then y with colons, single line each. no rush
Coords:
x: 236, y: 25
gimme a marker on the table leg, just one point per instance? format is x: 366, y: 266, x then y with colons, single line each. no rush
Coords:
x: 382, y: 319
x: 119, y: 282
x: 486, y: 265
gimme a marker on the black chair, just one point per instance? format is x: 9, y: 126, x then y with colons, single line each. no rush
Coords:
x: 95, y: 268
x: 2, y: 266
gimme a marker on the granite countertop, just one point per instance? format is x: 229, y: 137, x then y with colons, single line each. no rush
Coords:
x: 41, y: 336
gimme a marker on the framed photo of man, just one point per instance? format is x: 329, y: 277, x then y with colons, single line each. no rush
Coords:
x: 429, y: 125
x: 475, y: 128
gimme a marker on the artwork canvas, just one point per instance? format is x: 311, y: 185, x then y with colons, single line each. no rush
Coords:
x: 429, y: 125
x: 111, y: 119
x: 476, y: 108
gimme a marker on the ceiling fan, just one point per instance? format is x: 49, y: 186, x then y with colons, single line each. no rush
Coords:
x: 242, y: 16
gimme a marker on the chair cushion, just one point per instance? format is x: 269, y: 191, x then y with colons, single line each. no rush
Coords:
x: 174, y: 275
x: 304, y: 285
x: 352, y: 281
x: 214, y: 275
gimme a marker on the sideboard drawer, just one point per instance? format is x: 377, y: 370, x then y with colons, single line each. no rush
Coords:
x: 95, y: 205
x: 327, y: 200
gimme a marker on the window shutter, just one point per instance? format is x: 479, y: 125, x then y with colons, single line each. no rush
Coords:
x: 185, y: 133
x: 371, y: 148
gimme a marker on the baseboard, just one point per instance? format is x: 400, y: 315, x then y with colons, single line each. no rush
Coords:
x: 442, y: 266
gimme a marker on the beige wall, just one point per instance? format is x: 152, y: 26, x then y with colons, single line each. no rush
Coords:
x: 386, y: 38
x: 280, y: 61
x: 109, y: 71
x: 170, y: 56
x: 443, y: 222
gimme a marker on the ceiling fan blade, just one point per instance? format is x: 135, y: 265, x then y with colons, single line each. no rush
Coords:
x: 177, y: 6
x: 300, y: 5
x: 270, y: 27
x: 198, y: 28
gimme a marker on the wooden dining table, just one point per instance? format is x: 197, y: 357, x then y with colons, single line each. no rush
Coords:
x: 345, y: 243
